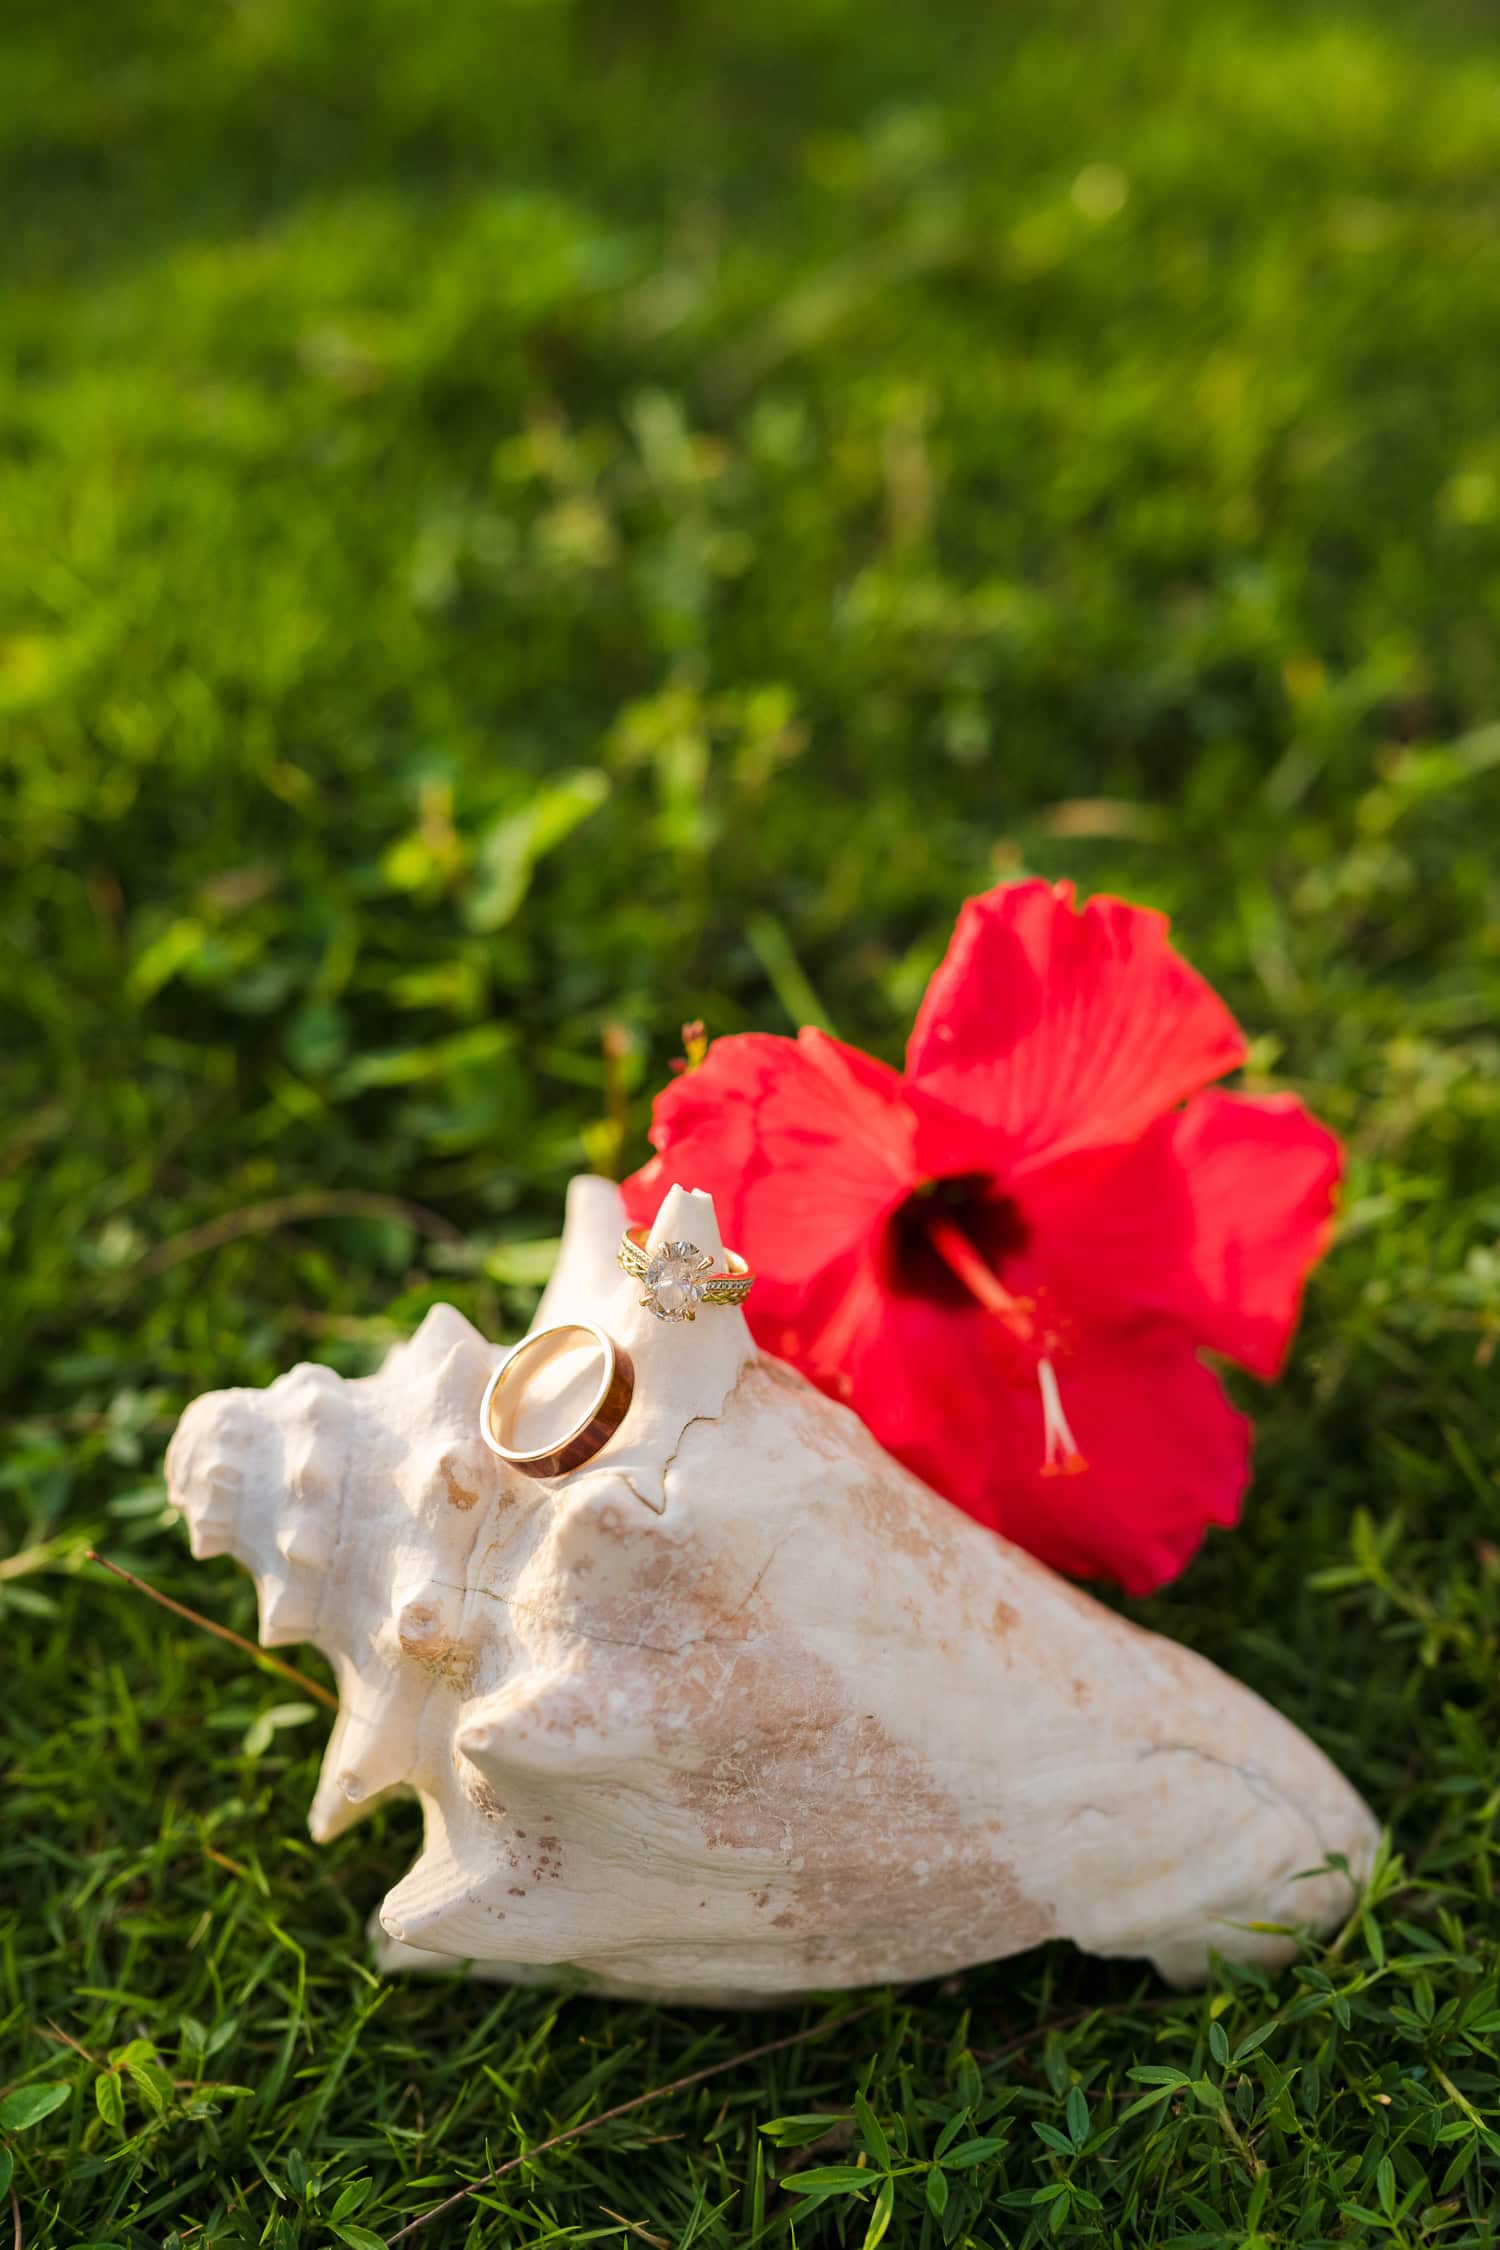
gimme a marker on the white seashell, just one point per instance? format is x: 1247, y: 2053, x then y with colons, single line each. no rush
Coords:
x: 739, y: 1710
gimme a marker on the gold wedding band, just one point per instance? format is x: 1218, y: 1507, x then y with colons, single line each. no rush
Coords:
x: 678, y: 1277
x: 592, y: 1428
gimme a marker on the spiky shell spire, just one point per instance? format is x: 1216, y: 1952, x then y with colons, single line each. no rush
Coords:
x: 354, y: 1505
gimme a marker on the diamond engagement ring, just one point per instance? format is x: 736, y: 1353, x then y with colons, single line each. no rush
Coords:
x: 677, y: 1277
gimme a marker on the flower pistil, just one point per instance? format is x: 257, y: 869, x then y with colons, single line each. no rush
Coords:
x: 1061, y: 1456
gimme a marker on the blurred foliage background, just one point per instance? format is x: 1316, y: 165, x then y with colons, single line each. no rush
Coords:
x: 525, y: 523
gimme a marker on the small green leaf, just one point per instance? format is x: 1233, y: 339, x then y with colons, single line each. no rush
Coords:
x: 511, y: 849
x: 829, y: 2179
x: 1146, y: 2101
x: 360, y: 2238
x: 165, y: 956
x: 1218, y: 2044
x: 871, y: 2133
x: 937, y: 2191
x: 797, y: 2131
x: 1460, y: 2165
x: 1385, y: 2186
x: 977, y: 2151
x: 109, y: 2096
x: 951, y: 2131
x: 880, y: 2217
x: 151, y: 2083
x: 963, y: 2208
x: 477, y: 1049
x: 1078, y: 2116
x: 28, y: 2105
x: 522, y: 1264
x: 262, y: 1731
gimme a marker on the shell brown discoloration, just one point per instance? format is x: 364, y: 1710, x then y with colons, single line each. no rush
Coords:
x: 460, y: 1483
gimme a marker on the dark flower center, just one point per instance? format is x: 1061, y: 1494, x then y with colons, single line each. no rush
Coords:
x: 981, y: 1211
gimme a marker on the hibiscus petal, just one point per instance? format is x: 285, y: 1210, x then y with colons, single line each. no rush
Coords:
x: 1214, y: 1221
x: 804, y: 1145
x: 1064, y: 1030
x: 1166, y: 1453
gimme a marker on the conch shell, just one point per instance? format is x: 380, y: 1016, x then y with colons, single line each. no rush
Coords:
x: 740, y: 1709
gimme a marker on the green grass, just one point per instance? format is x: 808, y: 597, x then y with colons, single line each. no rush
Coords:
x: 521, y: 519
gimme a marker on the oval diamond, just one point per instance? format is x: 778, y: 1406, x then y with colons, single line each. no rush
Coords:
x: 673, y: 1279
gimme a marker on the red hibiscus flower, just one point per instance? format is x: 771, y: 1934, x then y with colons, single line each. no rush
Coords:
x: 1008, y: 1259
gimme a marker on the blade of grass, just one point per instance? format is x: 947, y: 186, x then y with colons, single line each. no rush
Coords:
x: 220, y: 1632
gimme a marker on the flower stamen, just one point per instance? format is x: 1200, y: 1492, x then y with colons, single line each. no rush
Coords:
x: 1060, y: 1454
